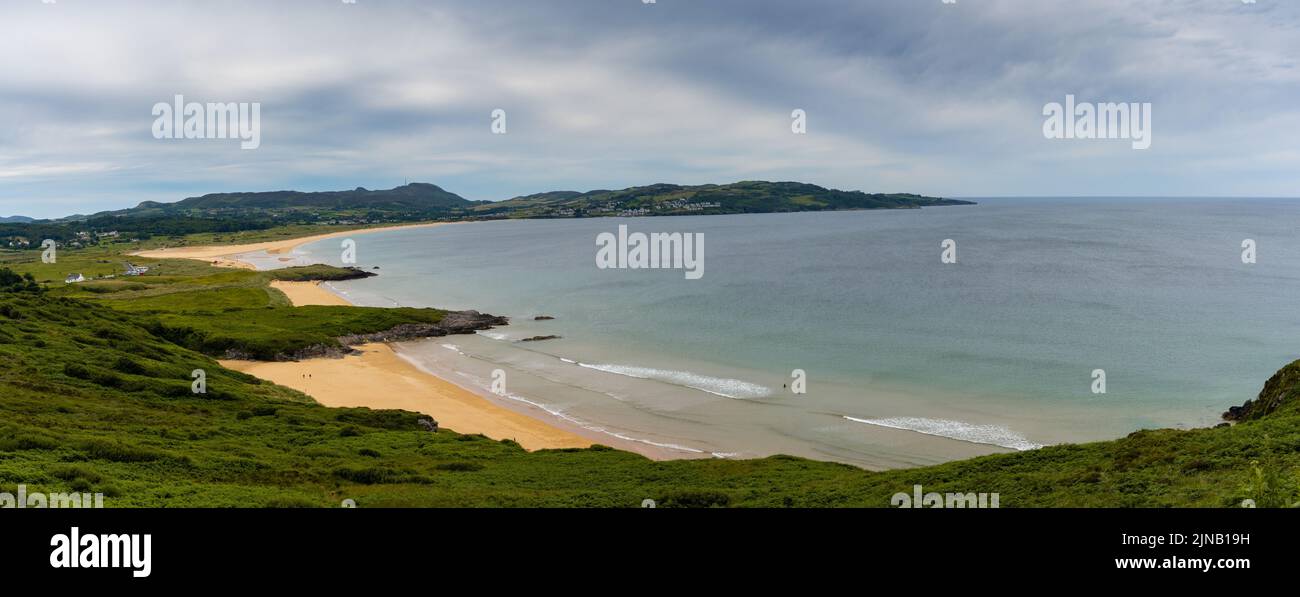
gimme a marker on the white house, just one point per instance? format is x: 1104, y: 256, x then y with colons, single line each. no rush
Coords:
x: 74, y: 278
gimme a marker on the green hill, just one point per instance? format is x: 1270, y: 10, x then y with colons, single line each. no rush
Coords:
x: 671, y: 199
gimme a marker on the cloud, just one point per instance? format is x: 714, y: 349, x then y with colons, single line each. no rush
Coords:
x: 916, y: 96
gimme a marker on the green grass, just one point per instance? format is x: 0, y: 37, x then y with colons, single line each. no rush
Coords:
x: 95, y: 395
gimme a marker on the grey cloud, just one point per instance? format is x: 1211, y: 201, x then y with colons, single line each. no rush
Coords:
x: 917, y: 95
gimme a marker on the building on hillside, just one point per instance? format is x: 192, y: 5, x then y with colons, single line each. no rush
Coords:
x: 74, y: 278
x: 135, y: 270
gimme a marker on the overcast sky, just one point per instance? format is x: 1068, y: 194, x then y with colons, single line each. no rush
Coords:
x: 900, y: 95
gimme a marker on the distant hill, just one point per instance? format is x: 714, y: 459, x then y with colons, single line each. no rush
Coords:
x: 235, y: 212
x: 16, y: 220
x: 408, y: 202
x: 417, y: 196
x: 671, y: 199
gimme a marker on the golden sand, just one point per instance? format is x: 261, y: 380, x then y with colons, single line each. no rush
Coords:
x: 378, y: 378
x: 308, y: 293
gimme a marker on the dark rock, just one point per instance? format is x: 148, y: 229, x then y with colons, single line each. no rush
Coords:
x: 1237, y: 413
x: 540, y: 338
x: 454, y: 322
x: 1279, y: 390
x: 543, y: 318
x: 429, y: 425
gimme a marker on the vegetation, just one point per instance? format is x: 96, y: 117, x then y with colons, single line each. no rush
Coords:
x: 96, y: 395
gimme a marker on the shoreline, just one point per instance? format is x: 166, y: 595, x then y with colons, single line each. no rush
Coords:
x: 223, y: 255
x: 378, y: 378
x: 381, y: 377
x: 391, y: 378
x: 382, y: 369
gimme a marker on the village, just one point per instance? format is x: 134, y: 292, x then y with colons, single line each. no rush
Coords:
x: 131, y: 270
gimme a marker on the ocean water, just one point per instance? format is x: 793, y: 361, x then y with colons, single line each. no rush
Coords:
x: 908, y: 360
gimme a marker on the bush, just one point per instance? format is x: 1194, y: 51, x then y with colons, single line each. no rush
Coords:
x: 118, y: 452
x: 460, y: 467
x: 368, y: 476
x: 72, y: 473
x: 28, y: 442
x: 696, y: 499
x: 126, y: 365
x: 392, y: 420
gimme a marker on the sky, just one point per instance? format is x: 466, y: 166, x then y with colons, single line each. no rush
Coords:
x: 915, y: 96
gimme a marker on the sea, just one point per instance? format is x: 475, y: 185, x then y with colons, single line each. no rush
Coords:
x: 878, y: 338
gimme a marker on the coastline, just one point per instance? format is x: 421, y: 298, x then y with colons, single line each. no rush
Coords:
x: 381, y: 377
x: 389, y: 374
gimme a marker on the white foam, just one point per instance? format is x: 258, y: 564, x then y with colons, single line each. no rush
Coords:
x: 720, y: 386
x: 493, y: 335
x: 968, y: 432
x: 483, y: 384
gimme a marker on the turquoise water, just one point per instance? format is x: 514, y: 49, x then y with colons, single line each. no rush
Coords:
x: 901, y: 351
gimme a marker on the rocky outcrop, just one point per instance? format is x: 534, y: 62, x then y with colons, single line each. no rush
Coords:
x: 454, y: 322
x: 543, y: 318
x: 1279, y: 391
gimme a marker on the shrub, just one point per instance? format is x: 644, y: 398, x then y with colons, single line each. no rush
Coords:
x: 72, y: 473
x: 695, y: 499
x: 118, y: 452
x: 368, y: 476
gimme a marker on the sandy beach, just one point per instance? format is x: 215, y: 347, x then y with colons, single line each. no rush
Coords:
x: 220, y: 255
x: 308, y: 293
x: 378, y: 378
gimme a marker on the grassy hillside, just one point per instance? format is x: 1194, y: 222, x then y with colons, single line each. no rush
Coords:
x: 95, y: 395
